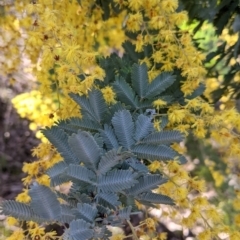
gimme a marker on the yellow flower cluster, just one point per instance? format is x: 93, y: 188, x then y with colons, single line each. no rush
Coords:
x: 63, y: 39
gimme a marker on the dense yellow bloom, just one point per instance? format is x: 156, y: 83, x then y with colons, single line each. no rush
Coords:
x: 17, y: 235
x: 43, y: 180
x: 135, y: 4
x: 150, y: 223
x: 162, y: 236
x: 23, y: 197
x: 36, y: 231
x: 176, y: 116
x: 205, y: 235
x: 11, y: 221
x: 154, y: 166
x: 198, y: 185
x: 134, y: 22
x: 169, y: 6
x: 159, y: 103
x: 109, y: 95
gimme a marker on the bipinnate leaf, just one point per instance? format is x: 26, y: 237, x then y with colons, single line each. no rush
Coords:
x: 136, y: 164
x: 140, y: 79
x: 86, y: 108
x: 153, y: 152
x: 159, y: 85
x: 78, y: 230
x: 125, y: 93
x: 109, y: 138
x: 163, y: 137
x: 72, y: 125
x: 111, y: 159
x: 146, y: 183
x: 19, y: 210
x: 60, y: 141
x: 155, y: 198
x: 86, y: 212
x: 124, y: 213
x: 123, y: 128
x: 97, y: 103
x: 44, y: 202
x: 85, y: 148
x: 116, y: 181
x: 56, y: 173
x: 143, y: 127
x: 81, y: 173
x: 109, y: 200
x: 66, y: 214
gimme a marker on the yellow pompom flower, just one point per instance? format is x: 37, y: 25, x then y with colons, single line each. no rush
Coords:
x: 109, y: 95
x: 23, y: 197
x: 11, y: 221
x: 154, y: 166
x: 159, y: 103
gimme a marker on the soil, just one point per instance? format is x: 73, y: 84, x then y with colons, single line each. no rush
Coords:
x: 16, y: 142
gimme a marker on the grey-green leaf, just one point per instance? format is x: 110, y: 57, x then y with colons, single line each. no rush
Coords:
x: 111, y: 159
x: 86, y: 212
x: 116, y: 181
x: 85, y: 148
x: 143, y: 127
x: 78, y: 230
x: 81, y: 173
x: 44, y: 202
x: 123, y: 128
x: 109, y: 200
x: 140, y: 79
x: 163, y: 137
x: 109, y: 137
x: 125, y: 93
x: 159, y: 85
x: 146, y: 183
x: 155, y: 198
x: 97, y: 104
x: 60, y: 140
x: 19, y: 210
x: 153, y: 152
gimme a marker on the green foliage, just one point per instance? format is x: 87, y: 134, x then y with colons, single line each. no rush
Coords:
x: 105, y: 155
x: 222, y: 14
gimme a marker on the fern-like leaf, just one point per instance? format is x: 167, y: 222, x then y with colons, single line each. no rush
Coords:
x: 152, y: 152
x: 109, y: 200
x: 163, y: 137
x: 116, y: 181
x: 56, y: 173
x: 143, y: 127
x: 135, y: 164
x: 44, y: 202
x: 98, y: 104
x: 109, y: 137
x: 73, y: 124
x: 81, y: 173
x: 146, y: 183
x: 85, y: 148
x: 86, y: 212
x: 125, y: 93
x: 124, y: 213
x: 60, y: 140
x: 66, y: 215
x: 86, y: 108
x: 111, y: 159
x: 155, y: 198
x: 140, y: 79
x: 78, y: 230
x: 159, y: 85
x: 123, y: 128
x: 20, y: 211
